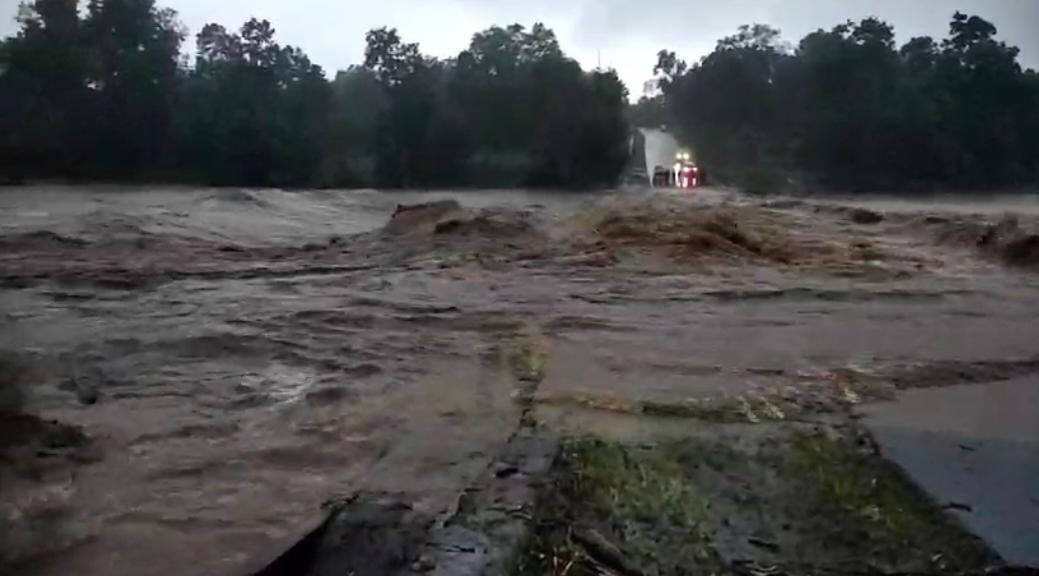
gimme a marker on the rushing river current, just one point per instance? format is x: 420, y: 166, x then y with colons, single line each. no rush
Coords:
x: 238, y: 357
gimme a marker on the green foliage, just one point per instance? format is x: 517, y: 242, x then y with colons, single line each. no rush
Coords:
x: 849, y: 110
x: 106, y: 95
x: 91, y: 96
x: 648, y: 112
x: 867, y: 506
x: 510, y: 110
x: 357, y: 103
x: 809, y: 504
x: 641, y: 505
x: 254, y: 112
x: 45, y: 108
x: 418, y: 139
x: 730, y: 106
x: 133, y: 47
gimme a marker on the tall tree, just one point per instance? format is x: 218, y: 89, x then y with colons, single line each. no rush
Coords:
x: 851, y: 82
x: 357, y: 103
x: 256, y: 112
x: 134, y: 47
x: 987, y: 97
x: 728, y: 105
x: 413, y: 129
x: 847, y: 110
x: 44, y: 99
x: 104, y: 93
x: 537, y: 118
x: 490, y: 80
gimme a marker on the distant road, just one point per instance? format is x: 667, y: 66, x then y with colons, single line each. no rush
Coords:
x: 661, y: 149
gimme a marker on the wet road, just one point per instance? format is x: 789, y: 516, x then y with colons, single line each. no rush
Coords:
x: 255, y: 353
x: 976, y: 450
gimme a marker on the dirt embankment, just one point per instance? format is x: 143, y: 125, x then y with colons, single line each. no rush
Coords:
x: 447, y: 224
x: 690, y: 233
x: 632, y: 231
x: 626, y: 229
x: 600, y: 235
x: 685, y: 233
x: 1010, y: 239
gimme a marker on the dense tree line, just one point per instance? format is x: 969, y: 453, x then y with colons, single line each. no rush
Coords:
x: 848, y: 109
x: 107, y: 94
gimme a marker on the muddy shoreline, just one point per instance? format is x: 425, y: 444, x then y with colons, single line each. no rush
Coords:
x: 228, y: 361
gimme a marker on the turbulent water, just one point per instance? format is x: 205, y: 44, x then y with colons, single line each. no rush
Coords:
x: 238, y: 357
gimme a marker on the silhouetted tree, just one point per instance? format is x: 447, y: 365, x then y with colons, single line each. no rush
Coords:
x: 106, y: 94
x: 729, y: 106
x: 133, y: 49
x: 536, y: 117
x: 847, y: 110
x: 358, y: 102
x: 45, y: 103
x: 510, y: 110
x: 405, y: 147
x: 649, y: 112
x: 255, y: 112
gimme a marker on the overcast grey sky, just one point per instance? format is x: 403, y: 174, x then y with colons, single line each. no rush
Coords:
x: 625, y: 34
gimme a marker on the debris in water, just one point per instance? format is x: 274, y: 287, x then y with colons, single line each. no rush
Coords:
x: 864, y: 216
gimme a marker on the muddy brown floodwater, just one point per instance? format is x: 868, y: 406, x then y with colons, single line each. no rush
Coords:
x: 190, y: 374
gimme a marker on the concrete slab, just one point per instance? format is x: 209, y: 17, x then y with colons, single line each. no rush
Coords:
x: 975, y: 449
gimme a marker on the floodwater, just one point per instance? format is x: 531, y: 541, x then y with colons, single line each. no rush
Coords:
x: 239, y: 357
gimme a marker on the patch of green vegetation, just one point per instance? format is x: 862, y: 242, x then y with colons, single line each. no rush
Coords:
x: 785, y: 500
x: 528, y: 355
x: 834, y: 393
x: 618, y: 508
x: 689, y: 453
x: 864, y: 506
